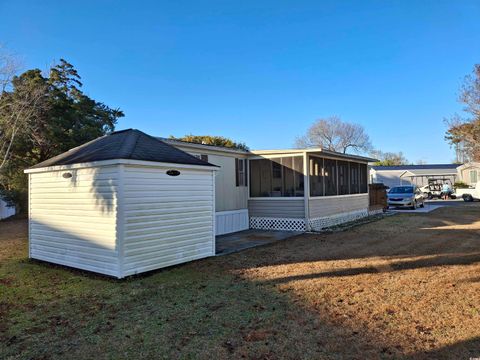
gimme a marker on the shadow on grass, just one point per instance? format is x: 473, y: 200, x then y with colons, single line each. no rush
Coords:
x: 441, y: 260
x: 400, y: 236
x: 469, y: 349
x: 199, y: 310
x: 209, y: 309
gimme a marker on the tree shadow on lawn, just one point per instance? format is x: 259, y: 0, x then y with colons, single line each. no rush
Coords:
x: 431, y: 261
x: 251, y: 304
x: 395, y: 237
x: 198, y: 310
x: 468, y: 349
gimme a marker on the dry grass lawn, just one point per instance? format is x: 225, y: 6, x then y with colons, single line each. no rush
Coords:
x: 406, y: 287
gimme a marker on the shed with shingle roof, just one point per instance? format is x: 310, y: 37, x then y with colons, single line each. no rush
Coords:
x: 122, y: 204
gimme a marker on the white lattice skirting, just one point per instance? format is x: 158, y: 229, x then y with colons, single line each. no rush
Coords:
x: 317, y: 224
x: 375, y: 212
x: 286, y: 224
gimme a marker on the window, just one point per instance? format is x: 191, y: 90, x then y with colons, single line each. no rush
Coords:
x: 316, y: 177
x: 298, y: 174
x: 473, y: 176
x: 343, y: 177
x: 241, y: 172
x: 363, y: 178
x: 288, y: 177
x: 277, y: 177
x: 354, y: 178
x: 330, y: 177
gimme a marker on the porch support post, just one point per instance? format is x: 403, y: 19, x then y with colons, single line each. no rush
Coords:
x: 306, y: 189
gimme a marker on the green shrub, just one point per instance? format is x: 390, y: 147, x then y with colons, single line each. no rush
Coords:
x: 460, y: 185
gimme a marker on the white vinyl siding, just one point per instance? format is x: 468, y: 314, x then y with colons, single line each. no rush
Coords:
x: 469, y: 173
x: 167, y: 219
x: 327, y: 206
x: 231, y: 221
x: 73, y: 220
x: 389, y: 178
x: 228, y: 196
x: 277, y: 208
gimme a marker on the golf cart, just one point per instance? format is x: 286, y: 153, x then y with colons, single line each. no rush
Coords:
x: 434, y: 188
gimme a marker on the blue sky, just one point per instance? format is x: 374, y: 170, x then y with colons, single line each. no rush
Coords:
x: 262, y: 71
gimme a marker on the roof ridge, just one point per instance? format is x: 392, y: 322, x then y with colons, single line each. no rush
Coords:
x: 128, y: 147
x: 126, y: 144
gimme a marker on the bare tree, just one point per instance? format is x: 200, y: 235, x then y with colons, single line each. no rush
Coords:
x: 334, y: 134
x: 470, y: 92
x: 389, y: 158
x: 18, y: 112
x: 18, y: 107
x: 464, y: 133
x: 9, y: 66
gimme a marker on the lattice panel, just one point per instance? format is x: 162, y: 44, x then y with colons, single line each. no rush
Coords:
x: 375, y: 212
x: 286, y: 224
x: 317, y: 224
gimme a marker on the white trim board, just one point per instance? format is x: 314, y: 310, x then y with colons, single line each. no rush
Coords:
x: 118, y: 162
x: 231, y: 221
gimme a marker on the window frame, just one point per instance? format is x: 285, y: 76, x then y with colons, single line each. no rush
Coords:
x: 241, y: 172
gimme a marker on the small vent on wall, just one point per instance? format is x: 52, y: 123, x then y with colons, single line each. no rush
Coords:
x: 173, y: 172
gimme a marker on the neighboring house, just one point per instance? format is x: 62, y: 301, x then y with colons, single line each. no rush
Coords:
x: 412, y: 174
x: 5, y: 210
x: 127, y: 202
x: 469, y: 173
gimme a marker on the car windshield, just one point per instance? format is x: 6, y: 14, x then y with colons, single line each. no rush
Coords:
x: 402, y: 190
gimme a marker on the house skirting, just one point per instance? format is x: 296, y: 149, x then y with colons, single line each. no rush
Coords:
x: 318, y: 224
x: 227, y: 222
x: 315, y: 224
x: 273, y: 223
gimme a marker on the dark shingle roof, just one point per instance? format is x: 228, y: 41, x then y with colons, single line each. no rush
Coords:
x: 125, y: 144
x: 417, y: 167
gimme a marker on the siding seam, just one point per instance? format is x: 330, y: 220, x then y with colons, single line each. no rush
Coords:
x: 120, y: 218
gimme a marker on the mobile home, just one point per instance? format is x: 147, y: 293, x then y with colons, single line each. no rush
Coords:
x: 128, y: 202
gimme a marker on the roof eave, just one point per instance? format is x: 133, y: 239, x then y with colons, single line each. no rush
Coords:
x: 174, y: 142
x: 313, y: 150
x: 119, y: 162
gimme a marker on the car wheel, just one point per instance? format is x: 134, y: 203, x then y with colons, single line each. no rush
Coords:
x: 467, y: 198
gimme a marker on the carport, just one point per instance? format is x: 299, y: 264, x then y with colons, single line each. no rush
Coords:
x: 420, y: 177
